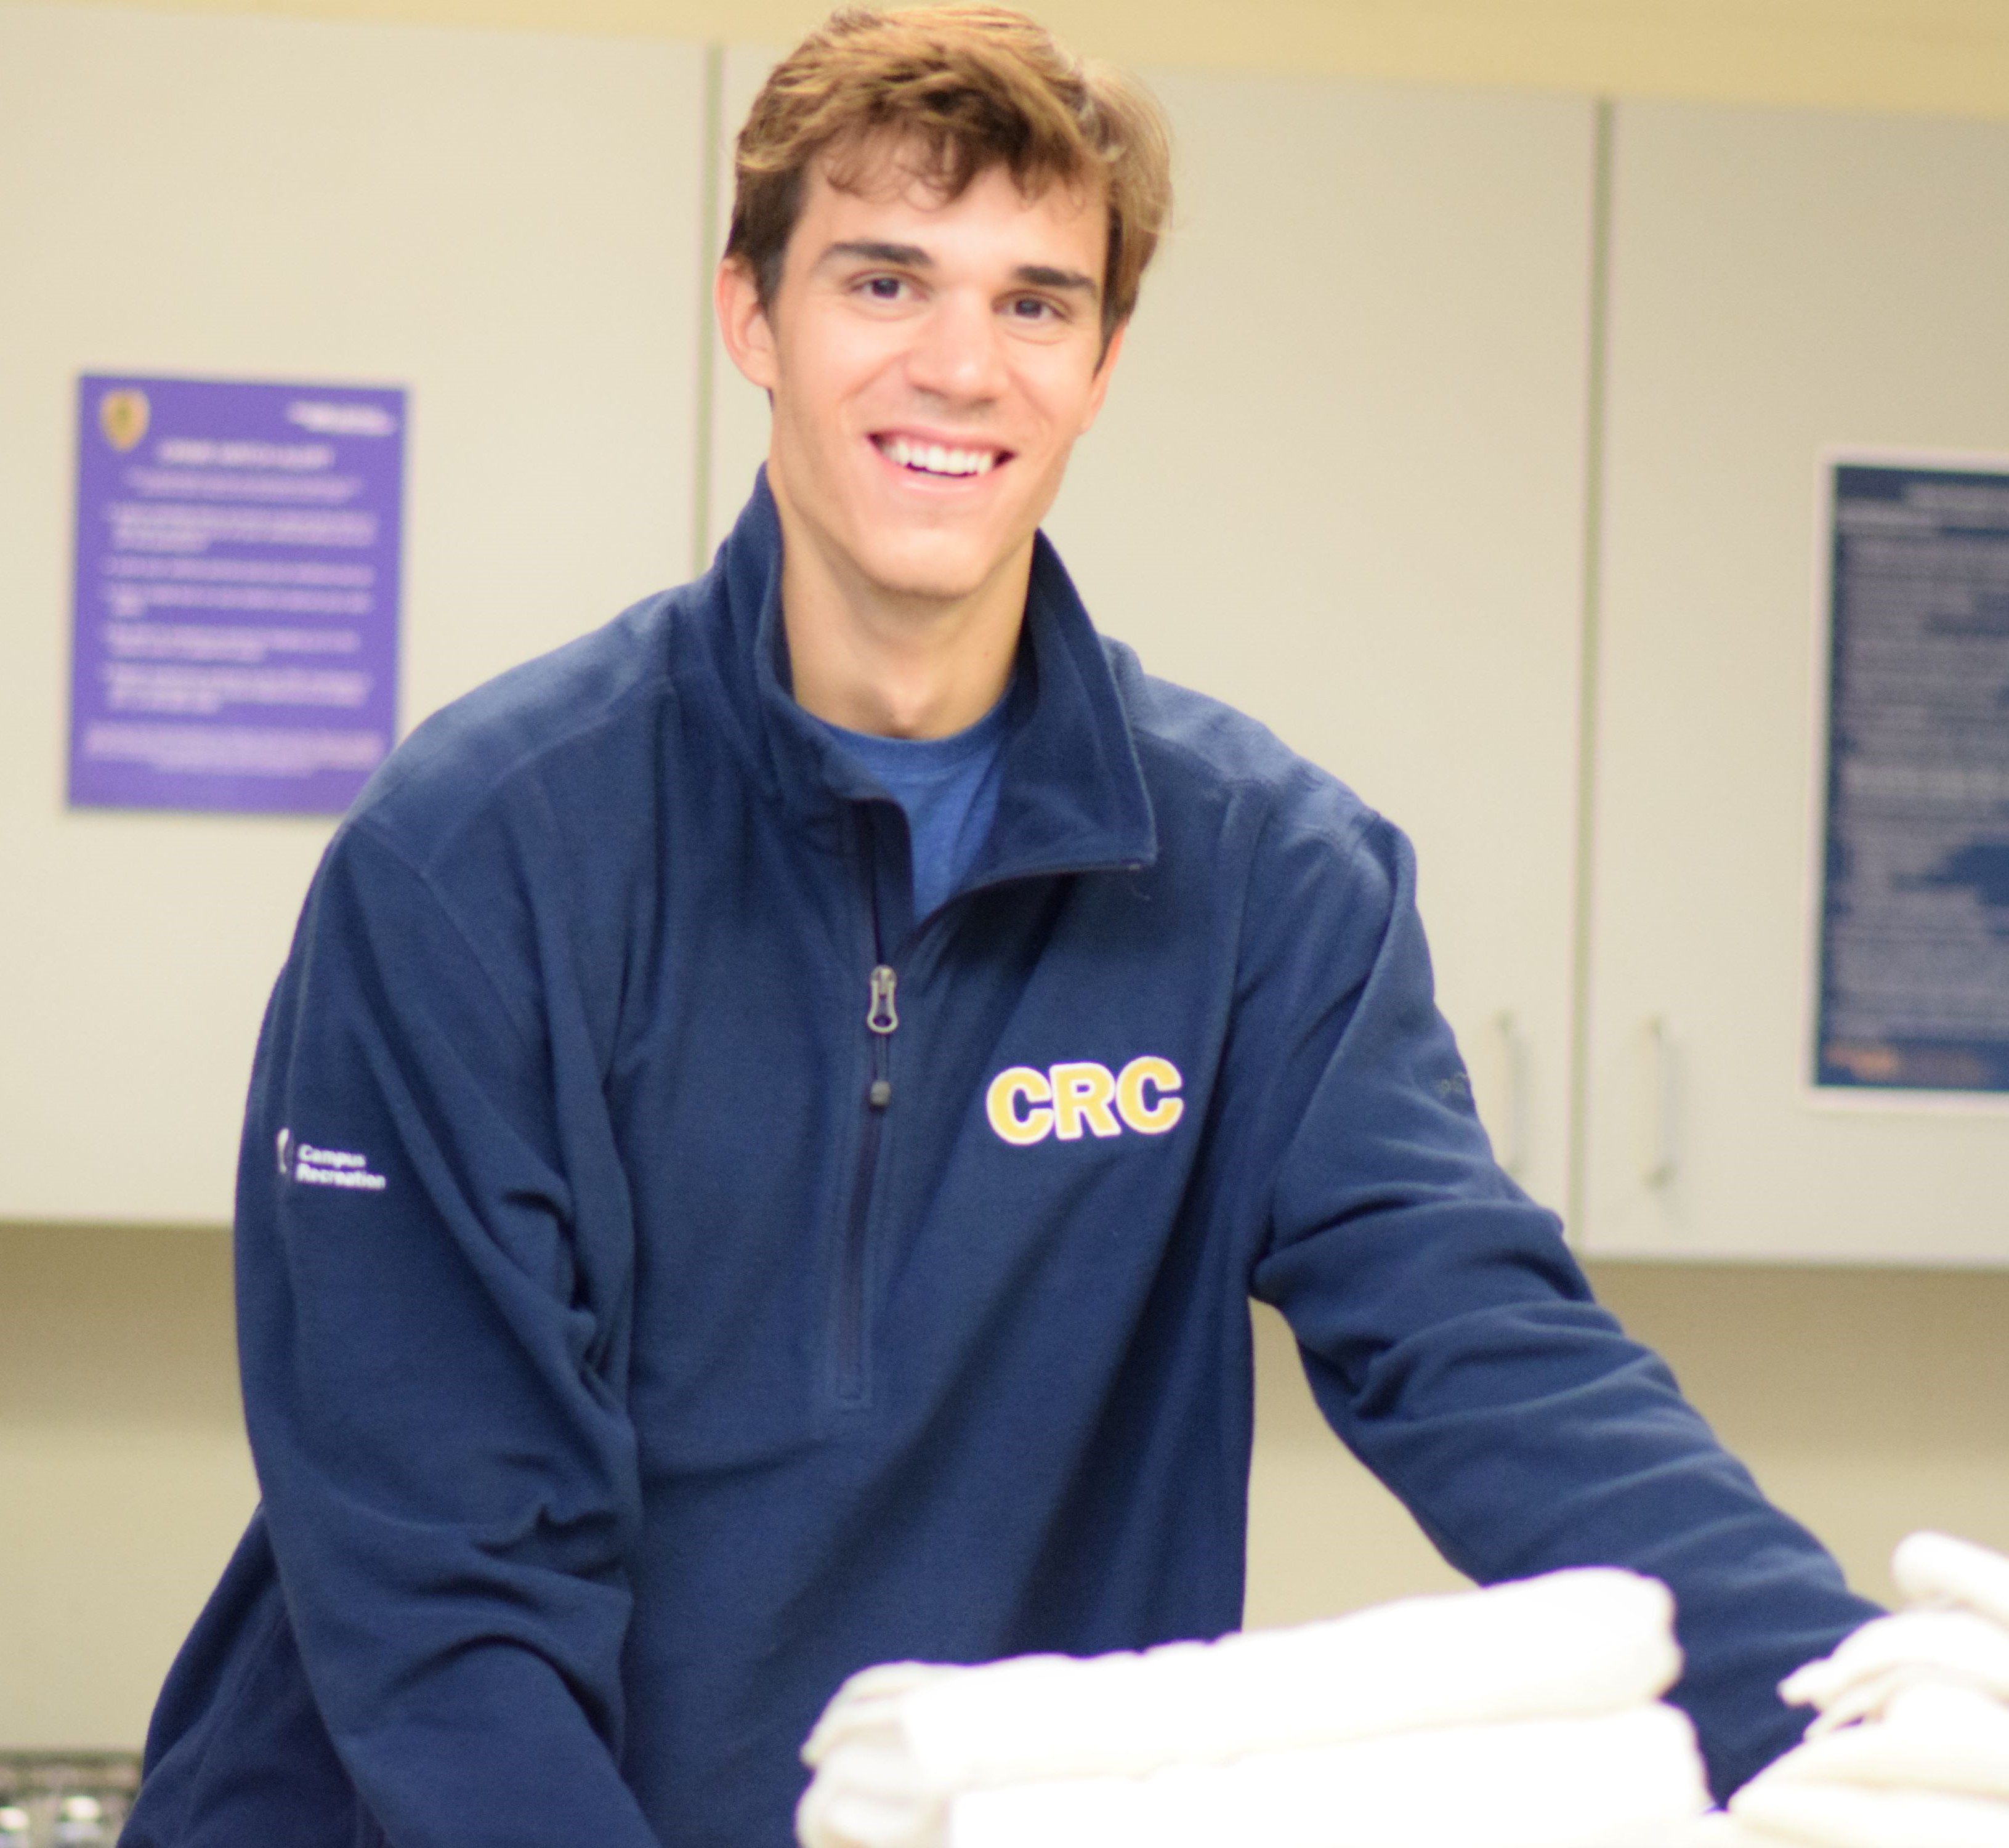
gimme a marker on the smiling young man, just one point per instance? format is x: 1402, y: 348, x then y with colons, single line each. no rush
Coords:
x: 824, y: 1062
x: 930, y: 363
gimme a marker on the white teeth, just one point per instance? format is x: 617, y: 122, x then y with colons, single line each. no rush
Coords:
x: 932, y: 458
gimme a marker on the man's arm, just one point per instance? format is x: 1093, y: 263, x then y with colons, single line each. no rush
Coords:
x: 432, y: 1357
x: 1453, y: 1342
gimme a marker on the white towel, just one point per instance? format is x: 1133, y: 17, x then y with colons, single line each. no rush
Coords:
x: 1837, y: 1816
x: 1937, y: 1569
x: 866, y: 1793
x: 1591, y: 1641
x: 1627, y: 1780
x: 1936, y: 1736
x: 868, y: 1704
x: 1911, y: 1746
x: 1475, y: 1679
x: 1720, y: 1830
x: 1891, y: 1653
x: 900, y: 1741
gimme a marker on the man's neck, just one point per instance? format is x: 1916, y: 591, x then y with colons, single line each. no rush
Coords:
x: 896, y: 666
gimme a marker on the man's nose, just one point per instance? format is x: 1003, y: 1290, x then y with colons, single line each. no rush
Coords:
x: 959, y: 353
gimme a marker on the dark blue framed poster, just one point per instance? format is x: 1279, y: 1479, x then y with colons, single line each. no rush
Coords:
x: 1914, y: 908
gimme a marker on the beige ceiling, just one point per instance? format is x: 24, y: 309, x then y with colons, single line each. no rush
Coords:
x: 1945, y: 56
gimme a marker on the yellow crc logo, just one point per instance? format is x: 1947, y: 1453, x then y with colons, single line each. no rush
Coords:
x: 1026, y: 1106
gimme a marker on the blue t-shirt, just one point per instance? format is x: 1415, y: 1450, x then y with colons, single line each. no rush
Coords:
x: 948, y: 788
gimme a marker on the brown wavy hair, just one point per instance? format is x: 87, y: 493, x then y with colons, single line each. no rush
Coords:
x: 960, y: 89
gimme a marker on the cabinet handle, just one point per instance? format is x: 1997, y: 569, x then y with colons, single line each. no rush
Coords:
x: 1510, y: 1132
x: 1656, y: 1104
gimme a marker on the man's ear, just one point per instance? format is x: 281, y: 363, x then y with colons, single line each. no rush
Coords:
x: 743, y: 323
x: 1099, y: 388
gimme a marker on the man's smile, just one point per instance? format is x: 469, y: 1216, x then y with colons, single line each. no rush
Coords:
x: 919, y: 456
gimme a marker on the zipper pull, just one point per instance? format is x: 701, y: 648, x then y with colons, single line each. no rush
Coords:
x: 882, y: 1016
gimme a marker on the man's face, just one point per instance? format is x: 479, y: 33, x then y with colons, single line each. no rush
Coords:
x: 931, y: 363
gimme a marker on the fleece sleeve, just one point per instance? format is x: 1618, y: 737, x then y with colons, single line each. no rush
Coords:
x: 1454, y: 1343
x: 432, y: 1347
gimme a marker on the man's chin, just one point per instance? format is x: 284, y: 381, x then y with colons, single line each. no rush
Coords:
x: 927, y: 574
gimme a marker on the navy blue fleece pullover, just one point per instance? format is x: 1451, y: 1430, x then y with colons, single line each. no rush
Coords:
x: 672, y: 1275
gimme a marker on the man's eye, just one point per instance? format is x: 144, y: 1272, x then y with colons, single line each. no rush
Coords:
x: 883, y: 288
x: 1033, y: 308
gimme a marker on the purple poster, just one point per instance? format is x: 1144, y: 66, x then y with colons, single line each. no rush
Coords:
x: 236, y: 615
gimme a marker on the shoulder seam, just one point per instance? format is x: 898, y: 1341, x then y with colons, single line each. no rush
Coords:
x: 587, y: 724
x: 1366, y: 818
x: 526, y: 762
x: 1222, y: 779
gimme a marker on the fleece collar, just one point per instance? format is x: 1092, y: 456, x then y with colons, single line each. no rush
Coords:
x: 1071, y: 796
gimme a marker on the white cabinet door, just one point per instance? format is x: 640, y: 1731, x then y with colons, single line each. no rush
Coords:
x: 1781, y: 283
x: 1339, y: 484
x: 505, y: 224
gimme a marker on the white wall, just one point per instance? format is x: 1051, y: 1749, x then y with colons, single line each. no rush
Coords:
x: 125, y: 1480
x: 1948, y: 56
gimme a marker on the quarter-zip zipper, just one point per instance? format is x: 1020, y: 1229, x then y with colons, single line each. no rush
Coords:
x: 882, y: 1019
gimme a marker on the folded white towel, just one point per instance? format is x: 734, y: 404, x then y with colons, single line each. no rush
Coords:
x: 1627, y: 1780
x: 1935, y: 1736
x: 867, y: 1793
x: 899, y: 1742
x: 1590, y: 1641
x: 1720, y: 1830
x: 1937, y: 1569
x: 1837, y: 1816
x: 1911, y: 1746
x: 1890, y: 1654
x: 868, y: 1704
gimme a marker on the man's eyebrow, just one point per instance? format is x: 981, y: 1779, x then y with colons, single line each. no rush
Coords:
x: 901, y: 256
x: 1040, y: 276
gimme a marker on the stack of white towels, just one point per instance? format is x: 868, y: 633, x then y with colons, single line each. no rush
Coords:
x: 1526, y: 1716
x: 1910, y: 1748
